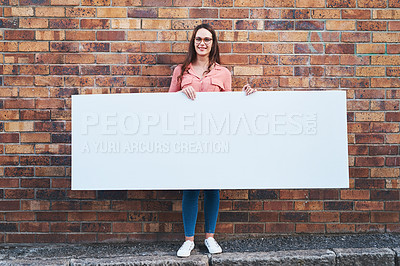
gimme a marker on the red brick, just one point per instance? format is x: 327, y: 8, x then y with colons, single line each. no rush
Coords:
x: 248, y: 25
x: 354, y: 217
x: 324, y: 60
x: 234, y: 59
x: 280, y: 3
x: 96, y: 2
x: 370, y: 228
x: 203, y: 13
x: 384, y: 217
x: 354, y: 83
x: 369, y: 94
x: 219, y: 24
x: 278, y: 25
x: 340, y: 228
x: 155, y: 47
x: 309, y: 71
x: 393, y: 71
x: 392, y: 116
x: 268, y: 82
x: 371, y: 25
x: 142, y: 13
x: 324, y: 36
x: 354, y: 60
x: 18, y: 171
x: 80, y: 35
x: 372, y: 3
x: 294, y: 217
x: 63, y: 47
x: 262, y: 13
x: 294, y: 82
x: 35, y: 183
x: 393, y: 94
x: 94, y: 70
x: 358, y: 172
x: 156, y: 70
x: 358, y: 128
x: 34, y: 160
x: 369, y: 138
x: 356, y: 14
x: 354, y: 194
x: 95, y: 47
x: 125, y: 70
x: 19, y: 193
x: 308, y: 205
x: 9, y: 205
x: 126, y: 227
x: 18, y: 81
x: 384, y: 105
x: 161, y: 3
x: 295, y: 14
x: 126, y: 2
x: 111, y: 36
x: 263, y: 59
x: 249, y: 228
x: 64, y: 23
x: 310, y: 25
x: 323, y: 217
x: 385, y: 82
x: 234, y: 13
x: 95, y: 24
x: 306, y: 3
x: 294, y: 59
x: 278, y: 70
x: 324, y: 82
x: 19, y: 35
x: 20, y: 238
x: 9, y: 182
x: 340, y: 49
x: 34, y: 227
x: 247, y: 48
x: 310, y: 228
x: 394, y: 3
x: 308, y: 48
x: 384, y: 127
x: 394, y: 25
x: 216, y: 3
x: 341, y: 3
x: 284, y: 228
x: 369, y: 183
x: 357, y: 37
x: 325, y: 14
x: 340, y: 71
x: 65, y: 227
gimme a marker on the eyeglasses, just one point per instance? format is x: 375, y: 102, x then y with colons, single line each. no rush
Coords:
x: 206, y: 40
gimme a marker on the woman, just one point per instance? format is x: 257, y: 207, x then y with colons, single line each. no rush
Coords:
x: 201, y: 72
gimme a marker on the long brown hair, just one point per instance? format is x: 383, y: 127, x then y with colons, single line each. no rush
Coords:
x: 191, y: 55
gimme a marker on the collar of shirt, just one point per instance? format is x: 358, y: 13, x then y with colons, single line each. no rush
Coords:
x: 217, y: 67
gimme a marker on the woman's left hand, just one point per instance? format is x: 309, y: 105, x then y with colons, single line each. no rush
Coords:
x: 249, y: 90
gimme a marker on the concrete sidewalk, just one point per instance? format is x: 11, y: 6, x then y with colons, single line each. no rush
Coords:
x: 379, y: 249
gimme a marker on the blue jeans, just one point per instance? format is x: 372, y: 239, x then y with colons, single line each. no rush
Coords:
x: 190, y: 209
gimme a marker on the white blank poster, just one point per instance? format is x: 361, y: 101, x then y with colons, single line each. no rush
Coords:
x: 268, y: 140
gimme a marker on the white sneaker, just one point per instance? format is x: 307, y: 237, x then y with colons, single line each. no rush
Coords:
x: 212, y: 246
x: 185, y: 249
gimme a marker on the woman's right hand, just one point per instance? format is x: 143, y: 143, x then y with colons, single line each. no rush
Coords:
x: 190, y: 92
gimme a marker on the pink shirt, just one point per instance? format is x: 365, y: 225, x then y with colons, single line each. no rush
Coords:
x: 218, y: 79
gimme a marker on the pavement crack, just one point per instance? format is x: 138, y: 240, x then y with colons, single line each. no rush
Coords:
x: 396, y: 257
x: 209, y: 256
x: 336, y: 256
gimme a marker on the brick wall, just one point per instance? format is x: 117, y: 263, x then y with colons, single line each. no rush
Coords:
x: 52, y: 49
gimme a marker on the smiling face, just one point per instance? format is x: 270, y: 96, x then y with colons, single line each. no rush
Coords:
x: 203, y: 42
